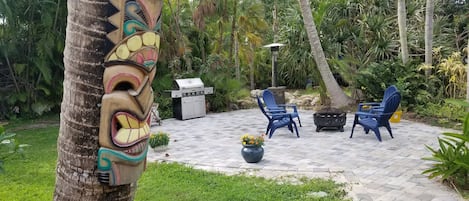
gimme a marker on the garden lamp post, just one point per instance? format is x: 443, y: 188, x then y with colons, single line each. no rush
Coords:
x: 279, y: 92
x: 274, y: 48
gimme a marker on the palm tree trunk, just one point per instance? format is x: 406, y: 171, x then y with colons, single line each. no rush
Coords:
x: 236, y: 57
x: 233, y: 29
x: 251, y: 67
x: 338, y: 97
x: 467, y: 71
x: 401, y: 18
x: 77, y: 143
x: 428, y: 35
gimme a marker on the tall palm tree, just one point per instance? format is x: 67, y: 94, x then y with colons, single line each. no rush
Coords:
x: 251, y: 25
x: 402, y: 18
x: 338, y: 97
x: 428, y: 35
x: 77, y: 144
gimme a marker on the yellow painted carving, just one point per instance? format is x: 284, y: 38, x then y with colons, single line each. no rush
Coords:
x: 157, y: 41
x: 147, y: 128
x: 113, y: 57
x: 122, y: 136
x: 149, y: 38
x: 134, y: 134
x: 134, y: 43
x: 133, y: 123
x: 123, y: 121
x: 123, y: 52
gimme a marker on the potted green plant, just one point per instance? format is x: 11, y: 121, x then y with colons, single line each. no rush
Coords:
x: 159, y: 141
x: 252, y: 150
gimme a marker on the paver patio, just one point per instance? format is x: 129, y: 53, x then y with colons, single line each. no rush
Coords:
x: 390, y: 170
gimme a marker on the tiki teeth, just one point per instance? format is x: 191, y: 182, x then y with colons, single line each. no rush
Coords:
x: 138, y: 148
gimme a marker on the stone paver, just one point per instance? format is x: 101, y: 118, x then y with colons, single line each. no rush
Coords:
x: 372, y: 170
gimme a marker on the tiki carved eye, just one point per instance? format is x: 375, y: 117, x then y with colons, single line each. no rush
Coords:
x: 124, y: 85
x: 122, y: 78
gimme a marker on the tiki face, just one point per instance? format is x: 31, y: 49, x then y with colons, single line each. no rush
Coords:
x: 126, y: 104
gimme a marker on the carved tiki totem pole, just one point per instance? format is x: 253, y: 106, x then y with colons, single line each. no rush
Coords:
x: 130, y: 67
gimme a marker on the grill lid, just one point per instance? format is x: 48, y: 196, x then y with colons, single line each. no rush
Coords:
x: 189, y: 83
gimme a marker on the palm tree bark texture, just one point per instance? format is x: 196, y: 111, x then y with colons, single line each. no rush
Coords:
x: 402, y: 18
x: 110, y: 60
x: 338, y: 97
x: 429, y: 8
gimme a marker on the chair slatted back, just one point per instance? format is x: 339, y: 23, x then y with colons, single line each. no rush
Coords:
x: 269, y: 100
x: 261, y: 106
x: 387, y: 93
x: 390, y: 106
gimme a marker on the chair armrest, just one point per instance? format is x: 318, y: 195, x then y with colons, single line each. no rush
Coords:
x: 367, y: 106
x: 368, y: 114
x: 277, y: 115
x: 289, y: 105
x: 275, y: 110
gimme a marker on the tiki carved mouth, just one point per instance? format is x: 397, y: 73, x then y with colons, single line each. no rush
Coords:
x: 128, y: 130
x: 137, y: 149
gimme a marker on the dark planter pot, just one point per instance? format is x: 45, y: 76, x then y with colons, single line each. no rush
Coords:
x: 252, y: 154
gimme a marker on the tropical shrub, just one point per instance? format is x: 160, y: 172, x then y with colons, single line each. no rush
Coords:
x: 162, y: 82
x: 8, y: 146
x: 451, y: 160
x: 226, y: 89
x: 158, y: 139
x: 376, y: 77
x: 31, y: 56
x: 454, y: 73
x: 445, y: 112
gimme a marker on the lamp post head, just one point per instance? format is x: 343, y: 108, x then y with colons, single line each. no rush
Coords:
x: 274, y: 47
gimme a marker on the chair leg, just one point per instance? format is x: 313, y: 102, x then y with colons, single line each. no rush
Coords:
x: 299, y: 121
x: 354, y: 123
x: 389, y: 130
x: 377, y: 133
x: 271, y: 132
x: 296, y: 129
x: 290, y: 128
x: 268, y: 127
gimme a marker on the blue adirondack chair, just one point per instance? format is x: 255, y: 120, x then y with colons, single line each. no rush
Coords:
x: 273, y: 107
x: 277, y: 120
x: 378, y: 106
x: 379, y: 118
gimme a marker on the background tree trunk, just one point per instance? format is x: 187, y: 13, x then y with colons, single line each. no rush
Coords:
x: 233, y: 29
x: 338, y: 97
x: 428, y: 35
x: 467, y: 72
x: 402, y: 18
x: 77, y: 143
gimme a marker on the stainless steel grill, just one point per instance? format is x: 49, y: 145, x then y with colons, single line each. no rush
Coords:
x: 189, y: 98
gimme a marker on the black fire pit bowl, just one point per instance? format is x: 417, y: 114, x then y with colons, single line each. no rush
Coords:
x: 330, y: 118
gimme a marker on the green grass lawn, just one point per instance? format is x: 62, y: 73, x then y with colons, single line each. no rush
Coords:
x: 33, y: 178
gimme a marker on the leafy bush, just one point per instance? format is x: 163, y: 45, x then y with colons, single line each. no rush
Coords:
x: 226, y: 89
x: 163, y: 81
x: 8, y: 146
x: 158, y: 139
x: 445, y: 112
x: 376, y: 77
x: 453, y: 72
x: 415, y: 88
x: 452, y: 158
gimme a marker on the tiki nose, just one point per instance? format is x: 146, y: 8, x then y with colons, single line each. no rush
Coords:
x: 143, y: 96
